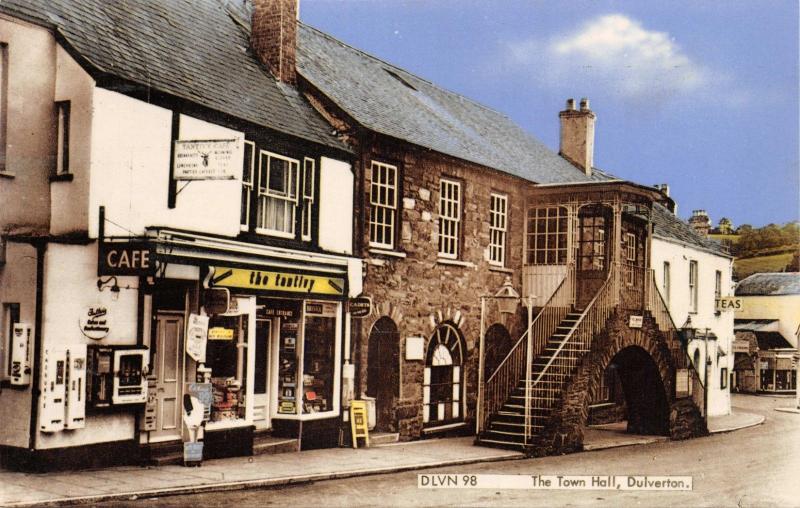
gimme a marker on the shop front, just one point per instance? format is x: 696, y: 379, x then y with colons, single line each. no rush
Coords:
x: 262, y: 335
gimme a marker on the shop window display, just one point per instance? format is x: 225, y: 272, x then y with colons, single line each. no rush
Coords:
x: 320, y: 335
x: 225, y: 355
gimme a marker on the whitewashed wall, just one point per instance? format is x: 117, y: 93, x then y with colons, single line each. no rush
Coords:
x: 130, y: 171
x: 785, y: 308
x: 70, y: 287
x: 679, y: 255
x: 70, y: 199
x: 336, y: 206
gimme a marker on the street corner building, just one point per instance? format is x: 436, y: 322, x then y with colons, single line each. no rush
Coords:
x: 218, y: 202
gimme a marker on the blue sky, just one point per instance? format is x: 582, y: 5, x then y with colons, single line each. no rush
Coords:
x: 700, y: 95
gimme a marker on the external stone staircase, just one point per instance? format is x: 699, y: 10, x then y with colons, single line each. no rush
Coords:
x: 506, y: 427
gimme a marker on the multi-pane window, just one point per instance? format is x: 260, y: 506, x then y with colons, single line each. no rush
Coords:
x: 630, y: 258
x: 692, y: 286
x: 592, y: 243
x: 62, y: 137
x: 547, y: 236
x: 308, y: 197
x: 717, y: 284
x: 248, y: 168
x: 442, y: 381
x: 383, y: 205
x: 498, y: 225
x: 665, y: 282
x: 449, y: 218
x: 3, y: 103
x: 277, y: 195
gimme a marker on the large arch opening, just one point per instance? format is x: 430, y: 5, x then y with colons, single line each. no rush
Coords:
x: 383, y: 372
x: 647, y: 406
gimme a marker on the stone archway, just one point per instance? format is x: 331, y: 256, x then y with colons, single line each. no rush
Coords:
x: 645, y: 355
x: 645, y: 397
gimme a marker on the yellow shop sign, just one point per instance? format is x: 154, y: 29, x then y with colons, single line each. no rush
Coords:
x: 268, y: 280
x: 219, y: 333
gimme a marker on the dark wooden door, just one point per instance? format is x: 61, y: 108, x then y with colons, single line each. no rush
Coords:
x: 383, y: 377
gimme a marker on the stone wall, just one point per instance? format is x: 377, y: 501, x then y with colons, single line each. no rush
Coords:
x: 419, y: 291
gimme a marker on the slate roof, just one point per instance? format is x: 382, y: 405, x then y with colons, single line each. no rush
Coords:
x: 770, y: 284
x: 391, y: 101
x: 668, y: 226
x: 195, y: 50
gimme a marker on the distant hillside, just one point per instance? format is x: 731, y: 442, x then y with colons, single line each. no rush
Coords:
x: 772, y: 248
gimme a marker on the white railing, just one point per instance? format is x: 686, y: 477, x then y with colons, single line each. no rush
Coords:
x: 499, y: 385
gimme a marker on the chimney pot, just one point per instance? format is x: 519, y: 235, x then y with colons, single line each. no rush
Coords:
x: 585, y: 104
x: 570, y: 104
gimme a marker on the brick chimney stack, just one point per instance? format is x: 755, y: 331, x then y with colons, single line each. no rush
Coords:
x: 577, y: 135
x: 274, y: 36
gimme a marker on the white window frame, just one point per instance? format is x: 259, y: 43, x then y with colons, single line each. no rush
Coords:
x: 265, y: 192
x: 693, y: 280
x: 498, y: 227
x: 63, y: 120
x: 309, y: 171
x: 383, y: 203
x: 450, y: 198
x: 247, y: 187
x: 542, y: 243
x: 717, y: 284
x: 665, y: 281
x: 630, y: 257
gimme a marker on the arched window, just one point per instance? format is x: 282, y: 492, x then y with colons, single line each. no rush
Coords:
x: 443, y: 383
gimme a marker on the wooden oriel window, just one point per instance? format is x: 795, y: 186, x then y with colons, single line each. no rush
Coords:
x: 547, y: 236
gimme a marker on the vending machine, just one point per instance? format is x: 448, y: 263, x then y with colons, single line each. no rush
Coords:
x: 117, y: 375
x: 76, y: 387
x: 52, y: 399
x: 21, y: 355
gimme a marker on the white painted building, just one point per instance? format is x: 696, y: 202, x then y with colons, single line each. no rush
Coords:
x: 692, y: 272
x: 108, y: 257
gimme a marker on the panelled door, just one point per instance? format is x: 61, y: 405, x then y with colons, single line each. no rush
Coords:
x: 168, y: 364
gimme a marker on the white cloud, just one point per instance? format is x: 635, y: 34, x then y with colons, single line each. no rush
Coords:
x: 618, y: 53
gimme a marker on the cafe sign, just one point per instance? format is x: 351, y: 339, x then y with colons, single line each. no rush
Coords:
x: 125, y: 258
x: 212, y: 159
x: 269, y: 280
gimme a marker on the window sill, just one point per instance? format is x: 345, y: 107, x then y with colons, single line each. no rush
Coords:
x: 600, y: 405
x: 390, y: 253
x: 7, y: 174
x: 455, y: 262
x: 275, y: 234
x: 501, y: 269
x: 64, y: 177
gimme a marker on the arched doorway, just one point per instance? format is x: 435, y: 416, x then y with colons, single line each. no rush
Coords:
x: 383, y: 377
x: 643, y: 388
x: 497, y: 343
x: 443, y: 379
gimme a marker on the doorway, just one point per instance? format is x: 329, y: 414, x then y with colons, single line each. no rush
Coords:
x: 594, y: 225
x: 168, y: 371
x: 383, y: 376
x: 261, y: 389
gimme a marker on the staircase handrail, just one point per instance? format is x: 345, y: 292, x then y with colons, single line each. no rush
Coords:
x: 663, y: 310
x: 601, y: 292
x: 505, y: 376
x: 533, y: 324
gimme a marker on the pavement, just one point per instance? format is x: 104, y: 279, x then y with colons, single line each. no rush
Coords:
x: 239, y: 473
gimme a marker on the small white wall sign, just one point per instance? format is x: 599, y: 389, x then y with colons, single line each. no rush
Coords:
x: 635, y: 321
x: 415, y: 348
